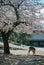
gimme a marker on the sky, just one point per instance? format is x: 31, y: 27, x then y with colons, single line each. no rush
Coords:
x: 41, y: 1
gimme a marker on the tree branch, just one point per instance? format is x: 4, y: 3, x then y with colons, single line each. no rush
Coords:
x: 15, y: 8
x: 15, y: 24
x: 20, y: 3
x: 17, y: 15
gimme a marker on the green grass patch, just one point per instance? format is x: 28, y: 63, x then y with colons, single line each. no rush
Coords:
x: 16, y: 48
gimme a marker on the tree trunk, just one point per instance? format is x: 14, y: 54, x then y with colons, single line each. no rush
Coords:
x: 6, y: 45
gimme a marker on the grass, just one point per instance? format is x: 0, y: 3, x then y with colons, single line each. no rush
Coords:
x: 16, y: 48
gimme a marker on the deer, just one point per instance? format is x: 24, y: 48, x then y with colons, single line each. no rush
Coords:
x: 31, y: 49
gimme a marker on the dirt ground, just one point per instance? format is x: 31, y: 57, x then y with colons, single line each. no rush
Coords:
x: 21, y: 60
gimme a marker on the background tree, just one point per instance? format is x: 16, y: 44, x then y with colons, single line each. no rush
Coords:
x: 19, y: 38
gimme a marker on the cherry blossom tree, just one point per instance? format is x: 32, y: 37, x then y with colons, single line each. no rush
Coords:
x: 9, y: 18
x: 13, y: 13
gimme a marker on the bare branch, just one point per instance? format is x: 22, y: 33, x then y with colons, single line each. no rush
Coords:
x: 20, y: 3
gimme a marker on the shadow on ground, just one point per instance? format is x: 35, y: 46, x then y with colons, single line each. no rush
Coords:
x: 21, y: 60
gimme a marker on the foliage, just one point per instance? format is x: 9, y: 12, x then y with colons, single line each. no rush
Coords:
x: 20, y: 38
x: 23, y: 38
